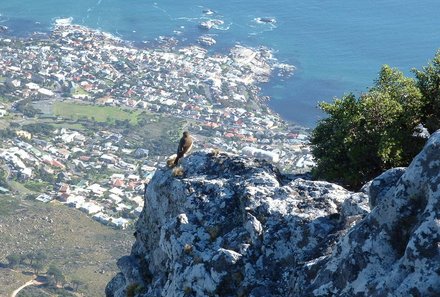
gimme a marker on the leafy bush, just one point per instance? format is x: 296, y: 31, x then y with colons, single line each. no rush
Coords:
x: 428, y: 81
x: 39, y: 128
x: 365, y: 135
x: 56, y: 274
x: 13, y: 260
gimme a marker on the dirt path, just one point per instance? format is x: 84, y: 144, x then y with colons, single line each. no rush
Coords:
x: 29, y: 283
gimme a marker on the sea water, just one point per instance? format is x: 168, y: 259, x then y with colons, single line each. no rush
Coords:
x: 337, y: 46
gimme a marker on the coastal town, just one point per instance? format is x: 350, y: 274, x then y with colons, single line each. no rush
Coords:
x: 101, y: 166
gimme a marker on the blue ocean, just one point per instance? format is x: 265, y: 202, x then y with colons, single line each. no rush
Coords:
x: 337, y: 46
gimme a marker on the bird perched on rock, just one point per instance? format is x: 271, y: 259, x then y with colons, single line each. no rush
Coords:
x: 185, y: 146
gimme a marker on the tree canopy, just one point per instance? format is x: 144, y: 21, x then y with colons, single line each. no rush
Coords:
x: 428, y: 81
x: 367, y: 134
x: 56, y: 274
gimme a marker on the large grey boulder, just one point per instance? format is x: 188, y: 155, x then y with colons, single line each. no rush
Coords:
x: 394, y: 250
x: 232, y: 226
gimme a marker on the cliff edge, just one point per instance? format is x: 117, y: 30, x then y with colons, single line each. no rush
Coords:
x: 233, y: 226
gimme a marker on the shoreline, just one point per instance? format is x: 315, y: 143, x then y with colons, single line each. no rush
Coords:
x: 216, y: 97
x: 174, y: 43
x: 185, y: 81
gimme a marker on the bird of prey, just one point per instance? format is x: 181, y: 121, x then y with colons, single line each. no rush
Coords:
x: 185, y: 146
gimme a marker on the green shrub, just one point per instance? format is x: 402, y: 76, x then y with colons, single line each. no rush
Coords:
x: 428, y: 81
x: 365, y: 135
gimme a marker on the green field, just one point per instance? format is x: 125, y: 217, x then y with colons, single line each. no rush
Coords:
x: 92, y: 112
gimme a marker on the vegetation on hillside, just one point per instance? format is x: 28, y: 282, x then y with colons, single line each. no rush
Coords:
x: 62, y: 245
x: 367, y: 134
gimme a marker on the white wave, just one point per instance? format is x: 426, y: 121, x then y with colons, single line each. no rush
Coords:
x: 192, y: 20
x: 260, y: 27
x: 5, y: 20
x: 222, y: 28
x: 63, y: 21
x: 217, y: 24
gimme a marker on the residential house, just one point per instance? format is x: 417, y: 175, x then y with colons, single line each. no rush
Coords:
x: 91, y: 207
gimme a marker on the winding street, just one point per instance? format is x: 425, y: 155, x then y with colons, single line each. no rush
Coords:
x: 29, y: 283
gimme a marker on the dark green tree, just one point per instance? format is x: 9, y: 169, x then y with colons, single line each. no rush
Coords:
x: 39, y: 128
x: 13, y: 260
x: 333, y: 138
x: 40, y: 256
x: 38, y: 266
x: 3, y: 181
x: 36, y: 256
x: 363, y: 136
x: 428, y: 81
x: 30, y: 257
x: 56, y: 274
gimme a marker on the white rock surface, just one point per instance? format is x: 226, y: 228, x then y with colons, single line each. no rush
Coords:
x: 233, y: 226
x: 394, y: 250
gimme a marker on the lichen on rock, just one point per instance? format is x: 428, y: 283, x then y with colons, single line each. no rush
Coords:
x: 395, y: 249
x: 234, y: 226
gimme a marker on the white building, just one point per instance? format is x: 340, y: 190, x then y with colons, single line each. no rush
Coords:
x: 261, y: 154
x: 75, y: 201
x: 91, y: 207
x: 119, y: 223
x: 44, y: 198
x: 96, y: 189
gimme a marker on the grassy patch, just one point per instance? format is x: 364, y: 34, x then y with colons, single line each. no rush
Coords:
x: 19, y: 187
x: 92, y: 112
x: 8, y: 205
x: 78, y: 91
x: 36, y: 186
x: 9, y: 280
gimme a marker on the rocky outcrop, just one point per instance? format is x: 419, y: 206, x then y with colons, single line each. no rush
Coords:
x: 231, y: 226
x: 395, y: 249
